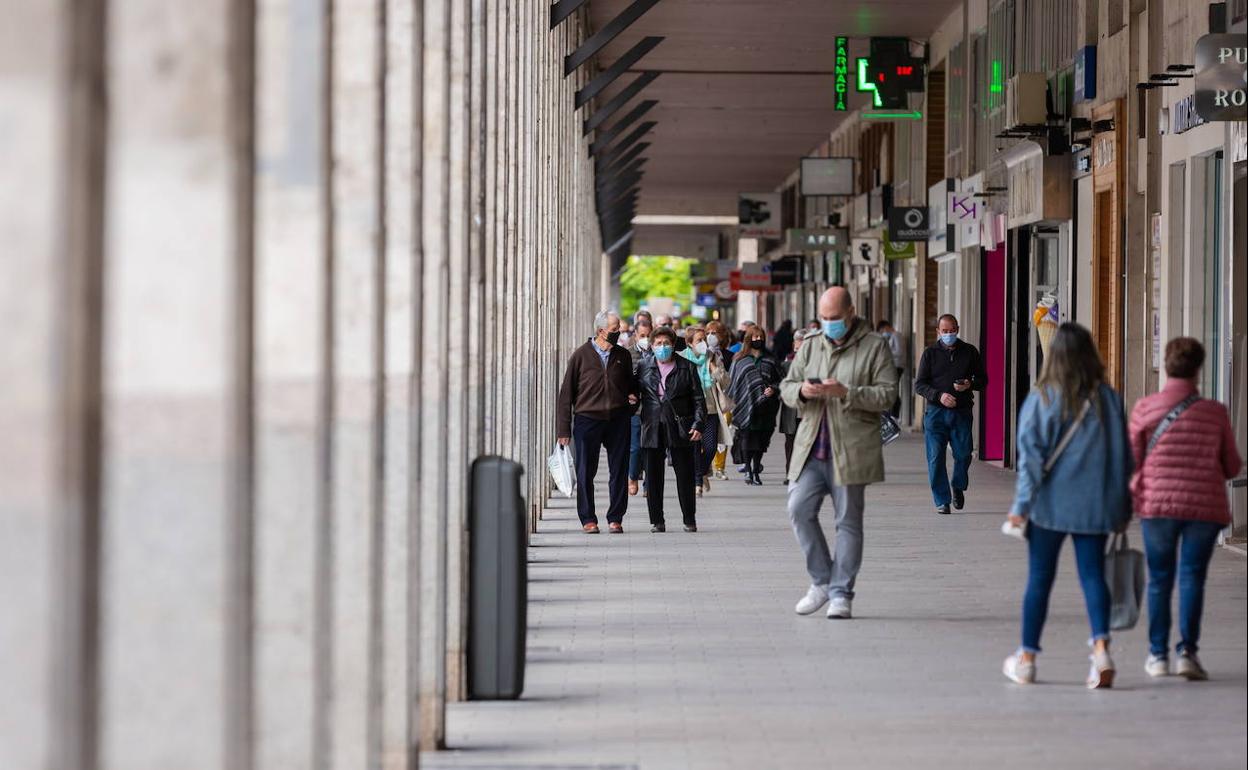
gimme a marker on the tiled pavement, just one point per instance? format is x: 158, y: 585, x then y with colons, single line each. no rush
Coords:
x: 683, y: 651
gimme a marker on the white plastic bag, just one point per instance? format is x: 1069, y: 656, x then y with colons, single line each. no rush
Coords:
x: 561, y: 470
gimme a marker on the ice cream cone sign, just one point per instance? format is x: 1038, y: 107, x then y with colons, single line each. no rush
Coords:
x: 1046, y: 321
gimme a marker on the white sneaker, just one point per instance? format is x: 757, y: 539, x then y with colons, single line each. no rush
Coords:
x: 1188, y: 667
x: 1101, y: 675
x: 1019, y: 671
x: 815, y: 598
x: 839, y: 608
x: 1157, y: 666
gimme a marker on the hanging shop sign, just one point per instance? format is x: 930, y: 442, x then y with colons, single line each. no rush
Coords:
x: 1081, y: 163
x: 899, y: 249
x: 862, y: 213
x: 814, y: 240
x: 788, y: 271
x: 827, y: 176
x: 740, y: 280
x: 965, y: 211
x: 724, y: 291
x: 1222, y: 77
x: 840, y: 75
x: 758, y: 215
x: 878, y: 202
x: 865, y: 252
x: 1185, y: 116
x: 1085, y: 74
x: 1039, y: 185
x: 939, y: 240
x: 706, y: 300
x: 907, y: 224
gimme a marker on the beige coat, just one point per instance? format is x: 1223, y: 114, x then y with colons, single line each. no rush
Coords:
x: 865, y: 365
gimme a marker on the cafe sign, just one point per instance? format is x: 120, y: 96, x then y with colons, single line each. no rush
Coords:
x: 817, y: 240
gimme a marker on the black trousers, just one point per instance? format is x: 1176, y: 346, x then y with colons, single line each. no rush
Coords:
x: 589, y: 437
x: 656, y: 471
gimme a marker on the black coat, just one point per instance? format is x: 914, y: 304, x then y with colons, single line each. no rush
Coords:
x: 940, y: 367
x: 667, y: 421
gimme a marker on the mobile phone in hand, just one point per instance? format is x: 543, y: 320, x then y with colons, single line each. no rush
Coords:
x: 814, y: 380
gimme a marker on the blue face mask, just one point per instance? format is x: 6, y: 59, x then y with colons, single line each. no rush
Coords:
x: 834, y: 330
x: 663, y: 352
x: 948, y: 339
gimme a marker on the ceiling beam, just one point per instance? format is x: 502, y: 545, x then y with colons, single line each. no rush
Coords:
x: 608, y: 76
x: 618, y: 101
x: 605, y: 35
x: 611, y: 133
x: 562, y: 10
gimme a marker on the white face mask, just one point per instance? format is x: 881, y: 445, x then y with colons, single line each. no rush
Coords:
x: 713, y: 341
x: 700, y: 348
x: 643, y: 343
x: 625, y: 338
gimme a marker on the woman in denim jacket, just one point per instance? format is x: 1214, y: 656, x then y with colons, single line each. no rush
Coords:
x: 1083, y: 495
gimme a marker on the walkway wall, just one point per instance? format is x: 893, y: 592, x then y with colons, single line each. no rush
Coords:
x: 276, y: 271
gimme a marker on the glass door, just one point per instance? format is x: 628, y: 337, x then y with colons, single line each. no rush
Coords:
x: 1046, y: 285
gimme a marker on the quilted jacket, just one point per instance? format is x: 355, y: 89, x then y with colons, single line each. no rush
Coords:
x: 1185, y: 475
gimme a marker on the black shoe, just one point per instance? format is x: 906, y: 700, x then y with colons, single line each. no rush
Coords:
x: 786, y: 482
x: 943, y: 509
x: 691, y: 527
x: 959, y: 499
x: 658, y: 527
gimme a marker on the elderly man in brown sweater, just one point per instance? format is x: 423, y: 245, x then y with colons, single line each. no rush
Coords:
x: 596, y: 403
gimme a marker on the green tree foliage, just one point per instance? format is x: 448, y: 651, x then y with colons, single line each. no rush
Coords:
x: 645, y: 277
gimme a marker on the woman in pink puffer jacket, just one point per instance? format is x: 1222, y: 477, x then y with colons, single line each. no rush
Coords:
x: 1179, y: 492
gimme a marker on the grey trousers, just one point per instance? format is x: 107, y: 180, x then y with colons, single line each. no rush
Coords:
x: 806, y: 495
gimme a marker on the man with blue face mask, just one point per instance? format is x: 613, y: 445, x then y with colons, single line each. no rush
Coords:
x: 840, y: 381
x: 949, y: 373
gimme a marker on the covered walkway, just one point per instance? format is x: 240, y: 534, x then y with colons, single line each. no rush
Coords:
x: 683, y: 651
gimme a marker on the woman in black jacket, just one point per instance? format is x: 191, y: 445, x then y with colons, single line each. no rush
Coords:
x: 755, y: 390
x: 673, y: 413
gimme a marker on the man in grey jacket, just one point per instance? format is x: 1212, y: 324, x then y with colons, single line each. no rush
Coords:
x: 840, y: 381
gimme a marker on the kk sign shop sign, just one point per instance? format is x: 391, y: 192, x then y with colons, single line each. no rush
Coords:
x: 1222, y: 77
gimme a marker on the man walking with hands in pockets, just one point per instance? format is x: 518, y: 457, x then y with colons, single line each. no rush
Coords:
x: 840, y: 381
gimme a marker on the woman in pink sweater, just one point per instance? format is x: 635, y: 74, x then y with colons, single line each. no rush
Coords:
x: 1185, y: 451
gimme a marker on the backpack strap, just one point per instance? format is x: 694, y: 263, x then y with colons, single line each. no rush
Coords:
x: 1169, y: 420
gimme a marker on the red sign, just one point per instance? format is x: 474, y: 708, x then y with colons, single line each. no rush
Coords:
x: 739, y: 281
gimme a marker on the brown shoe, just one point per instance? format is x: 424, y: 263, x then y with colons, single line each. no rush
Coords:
x: 633, y: 486
x: 590, y: 528
x: 615, y: 528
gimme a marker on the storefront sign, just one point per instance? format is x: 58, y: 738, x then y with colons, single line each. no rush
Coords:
x: 758, y: 215
x: 1081, y: 163
x: 706, y: 300
x: 865, y: 252
x: 840, y: 76
x: 1185, y: 116
x: 1085, y: 73
x: 878, y: 202
x: 862, y: 214
x: 1222, y: 77
x: 788, y: 271
x: 739, y: 280
x: 938, y: 240
x: 724, y: 291
x: 907, y: 223
x: 816, y: 240
x: 1026, y: 185
x: 899, y: 250
x: 827, y: 176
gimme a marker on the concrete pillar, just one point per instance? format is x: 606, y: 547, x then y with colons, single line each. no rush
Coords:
x: 51, y: 78
x: 290, y: 284
x: 170, y: 238
x: 398, y: 571
x: 433, y: 329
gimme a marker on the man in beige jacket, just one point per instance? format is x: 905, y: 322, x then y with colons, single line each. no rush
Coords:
x: 840, y: 382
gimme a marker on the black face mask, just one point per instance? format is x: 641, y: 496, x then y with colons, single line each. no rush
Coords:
x: 613, y: 337
x: 757, y: 344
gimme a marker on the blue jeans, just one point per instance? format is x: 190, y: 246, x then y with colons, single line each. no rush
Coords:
x: 1164, y: 552
x: 634, y: 450
x: 1043, y: 548
x: 947, y: 427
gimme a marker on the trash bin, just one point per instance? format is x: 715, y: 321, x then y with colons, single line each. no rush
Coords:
x: 498, y: 580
